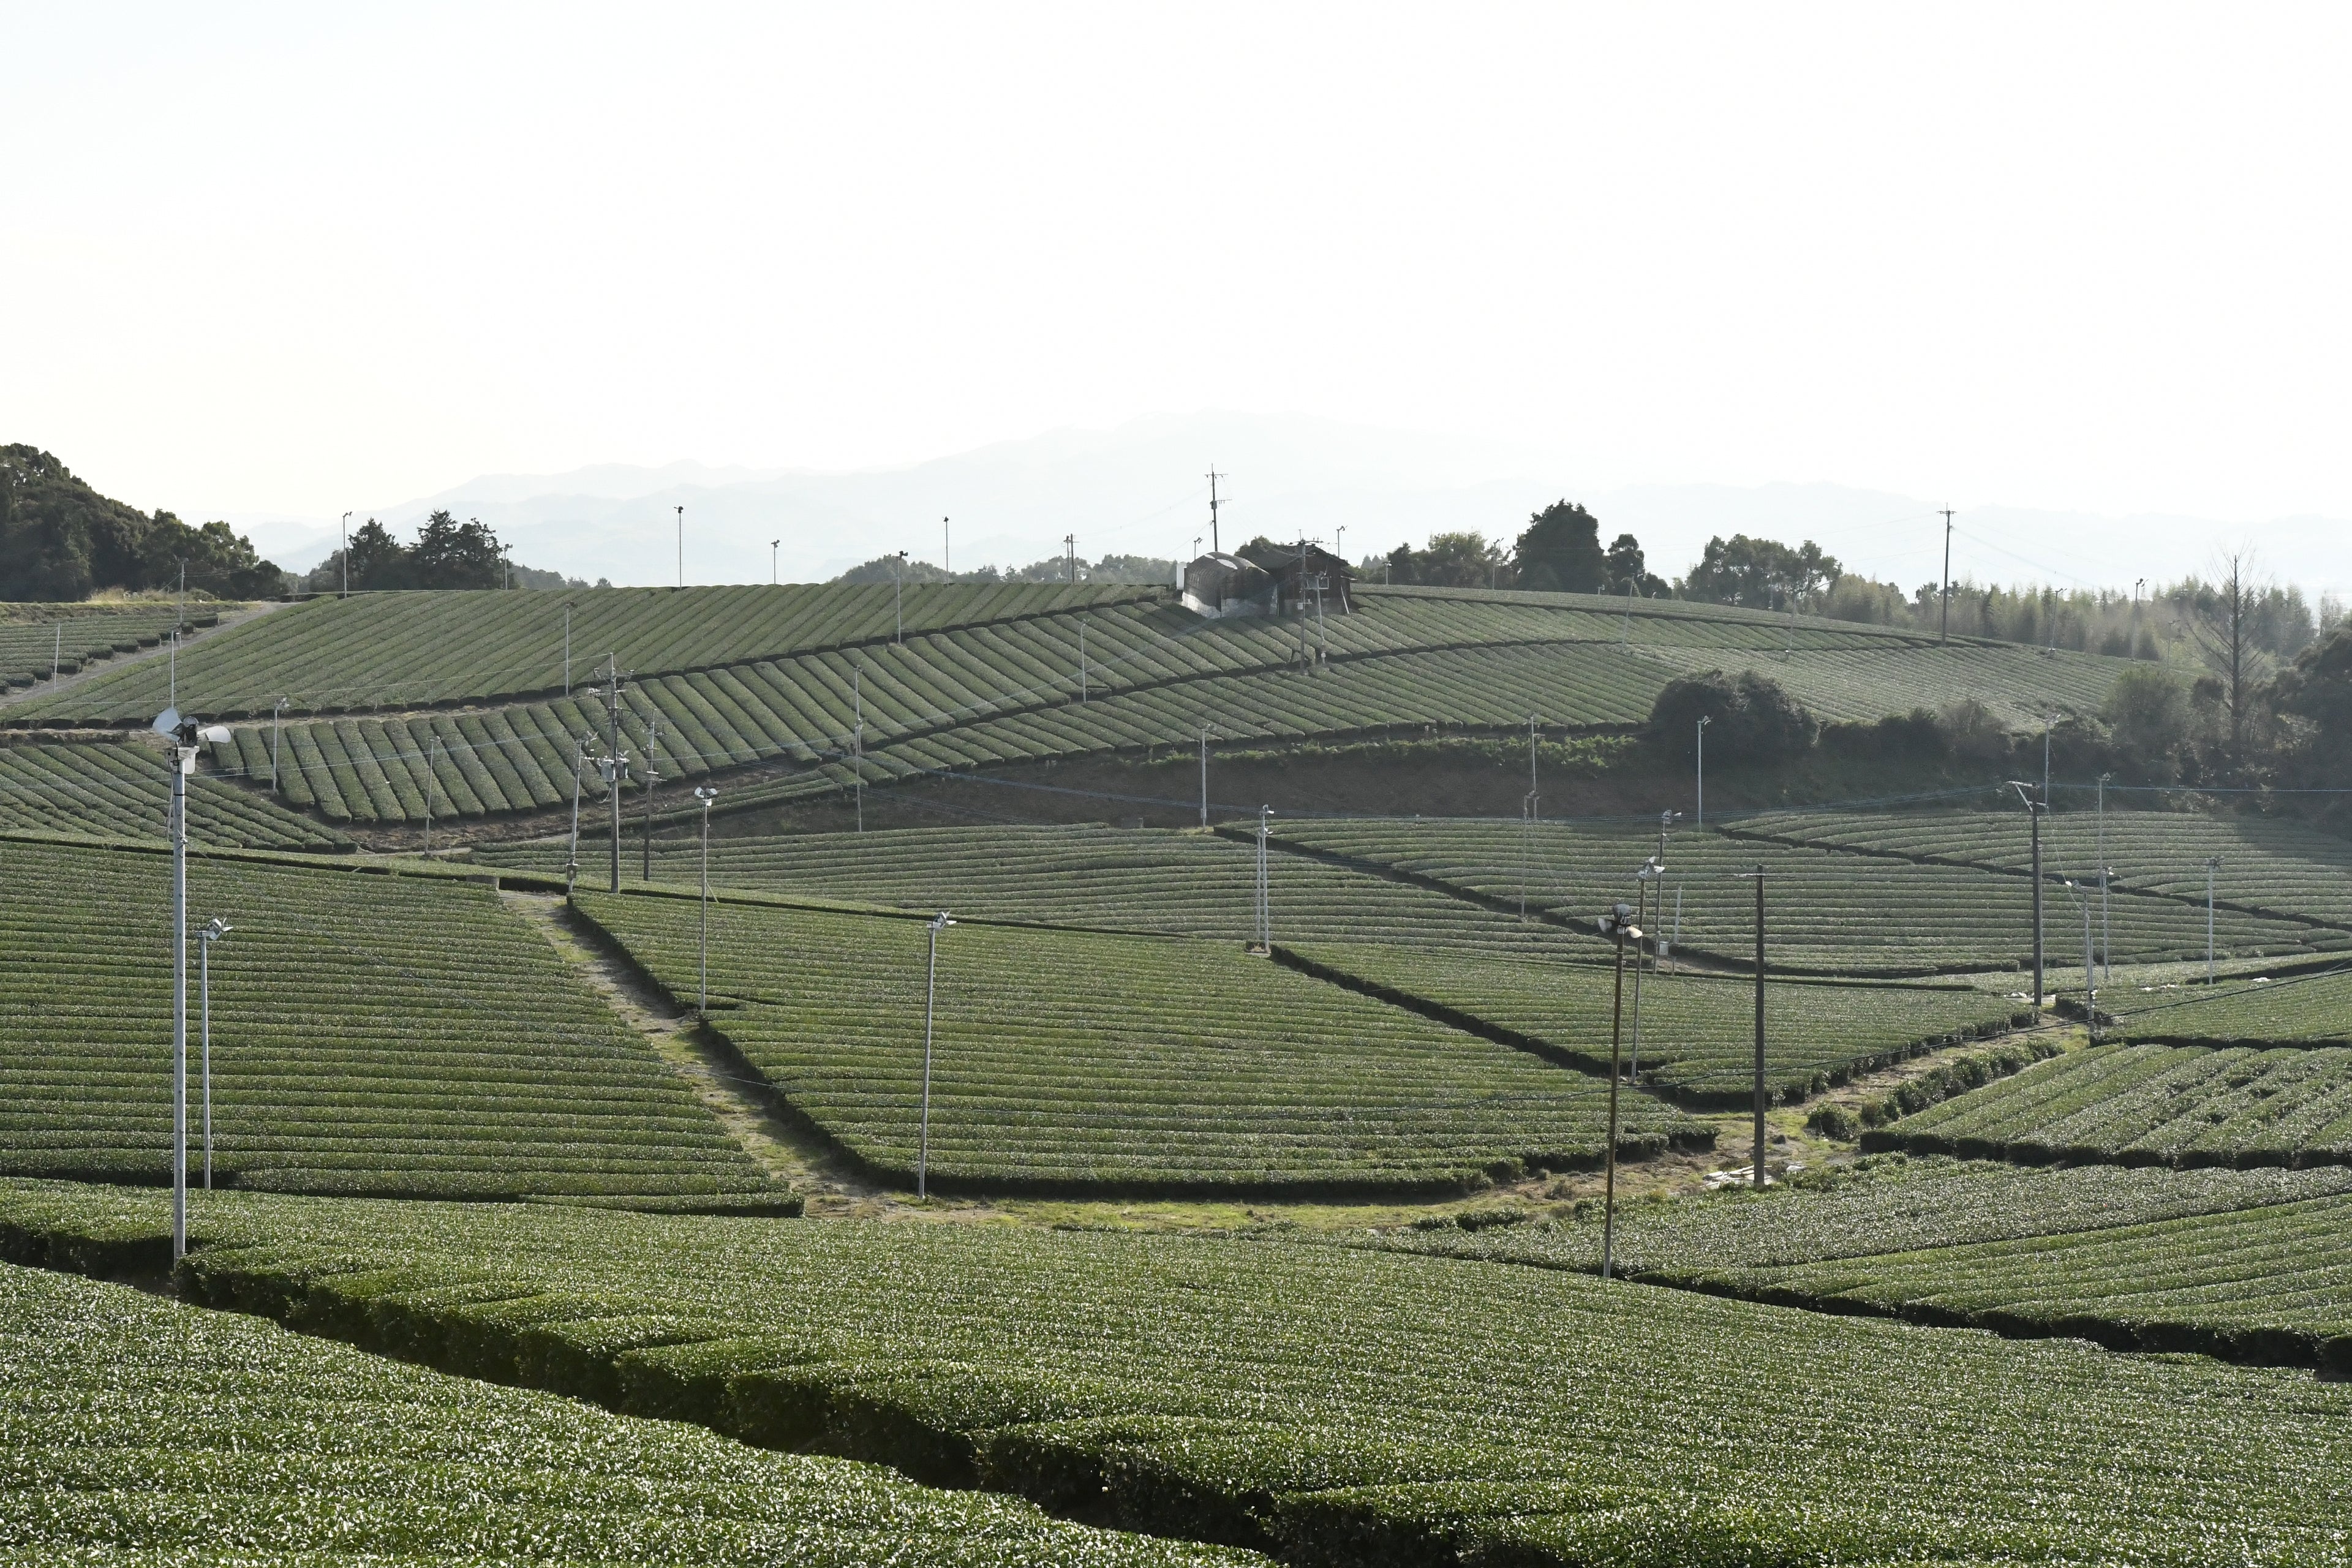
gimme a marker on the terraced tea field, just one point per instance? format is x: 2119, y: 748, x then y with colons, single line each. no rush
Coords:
x: 807, y: 678
x: 1335, y: 1404
x: 370, y: 1035
x: 37, y: 641
x: 2246, y: 1265
x: 123, y: 791
x: 416, y: 649
x: 138, y: 1430
x: 2281, y: 868
x: 1106, y: 878
x: 1068, y: 1061
x: 2298, y: 1009
x: 1697, y: 1039
x: 1827, y: 912
x: 2149, y: 1105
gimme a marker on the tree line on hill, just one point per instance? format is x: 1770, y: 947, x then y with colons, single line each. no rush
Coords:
x: 2159, y: 724
x: 1146, y: 569
x: 447, y: 554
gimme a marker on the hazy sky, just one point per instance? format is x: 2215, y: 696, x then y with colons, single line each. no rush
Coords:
x: 297, y: 259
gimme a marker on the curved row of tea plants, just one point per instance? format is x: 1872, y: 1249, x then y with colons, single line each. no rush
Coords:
x: 1071, y: 1061
x: 1825, y: 912
x: 2297, y: 1009
x: 369, y: 1034
x: 1157, y: 881
x: 1696, y: 1039
x: 1338, y: 1405
x: 112, y: 790
x: 2151, y: 1105
x: 412, y: 649
x: 139, y: 1430
x: 38, y: 641
x: 2281, y: 867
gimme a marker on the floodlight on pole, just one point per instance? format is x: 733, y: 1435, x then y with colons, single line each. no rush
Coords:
x: 702, y: 1003
x: 1263, y: 942
x: 214, y: 931
x: 939, y: 922
x: 680, y: 510
x: 897, y: 598
x: 1204, y: 775
x: 773, y: 544
x: 1617, y: 924
x: 1652, y: 871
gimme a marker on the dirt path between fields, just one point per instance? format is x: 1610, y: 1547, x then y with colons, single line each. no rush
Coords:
x: 742, y: 1101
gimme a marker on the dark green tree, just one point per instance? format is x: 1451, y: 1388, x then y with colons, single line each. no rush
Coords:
x: 1750, y: 717
x: 60, y: 539
x: 452, y: 554
x: 1628, y: 571
x: 1560, y: 551
x: 1760, y: 574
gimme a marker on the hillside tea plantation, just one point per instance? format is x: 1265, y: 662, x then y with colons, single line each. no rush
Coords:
x: 1068, y: 1061
x: 2315, y: 1008
x: 374, y: 650
x: 37, y: 641
x: 2151, y: 1105
x: 1697, y: 1038
x: 124, y: 791
x: 1338, y: 1405
x: 2281, y: 868
x: 141, y: 1431
x: 1170, y: 882
x: 1826, y: 913
x: 370, y: 1035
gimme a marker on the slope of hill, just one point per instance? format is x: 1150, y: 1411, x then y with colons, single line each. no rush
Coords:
x: 817, y: 687
x: 369, y: 1034
x: 61, y: 540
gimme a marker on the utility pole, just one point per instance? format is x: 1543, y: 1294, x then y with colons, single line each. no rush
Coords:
x: 857, y: 743
x: 653, y: 728
x: 572, y: 861
x: 276, y: 728
x: 57, y: 654
x: 1214, y: 547
x: 1944, y: 626
x: 947, y: 563
x: 431, y: 755
x: 682, y: 544
x: 184, y: 762
x: 1204, y: 775
x: 567, y: 647
x: 1070, y: 558
x: 346, y: 557
x: 897, y: 598
x: 1082, y: 660
x: 2106, y: 939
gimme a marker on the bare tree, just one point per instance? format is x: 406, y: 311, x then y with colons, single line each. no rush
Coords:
x: 2226, y: 639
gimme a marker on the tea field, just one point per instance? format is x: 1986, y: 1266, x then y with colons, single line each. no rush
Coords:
x: 124, y: 791
x: 2281, y: 867
x: 1826, y: 913
x: 1068, y: 1061
x: 2295, y: 1009
x: 371, y: 1033
x: 1155, y: 880
x: 2151, y: 1105
x: 1696, y: 1034
x: 139, y: 1430
x: 37, y: 641
x: 1335, y: 1404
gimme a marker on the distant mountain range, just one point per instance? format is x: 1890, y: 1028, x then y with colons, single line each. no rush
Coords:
x: 1141, y: 488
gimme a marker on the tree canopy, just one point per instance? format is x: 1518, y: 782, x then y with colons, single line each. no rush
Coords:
x: 1760, y: 574
x: 1560, y: 552
x: 447, y: 554
x: 60, y: 539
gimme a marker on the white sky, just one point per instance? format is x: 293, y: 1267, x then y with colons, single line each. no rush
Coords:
x: 297, y: 259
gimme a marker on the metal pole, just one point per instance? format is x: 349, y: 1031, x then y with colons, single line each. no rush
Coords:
x: 1641, y: 919
x: 681, y: 548
x: 931, y: 1003
x: 2038, y: 808
x: 572, y: 862
x: 1700, y: 820
x: 57, y: 653
x: 771, y: 561
x: 1759, y: 1172
x: 2090, y: 977
x: 1082, y: 661
x: 857, y: 756
x: 653, y: 728
x: 276, y: 726
x: 183, y: 758
x: 1609, y: 1157
x: 1204, y: 775
x: 346, y: 556
x: 204, y: 1011
x: 1944, y: 626
x: 702, y: 1004
x: 567, y: 650
x: 947, y: 560
x: 430, y: 753
x: 2106, y: 931
x: 613, y: 766
x: 1265, y: 899
x: 2212, y: 864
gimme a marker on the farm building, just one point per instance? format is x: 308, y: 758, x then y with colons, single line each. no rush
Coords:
x: 1266, y: 579
x: 1217, y: 585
